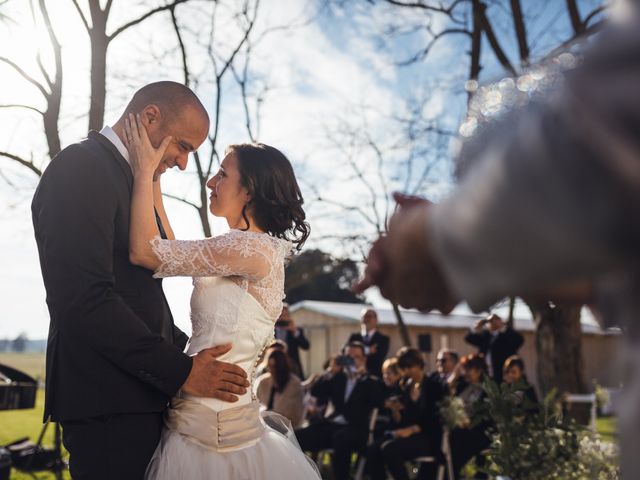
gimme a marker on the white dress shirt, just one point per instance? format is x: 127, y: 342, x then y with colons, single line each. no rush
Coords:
x: 110, y: 135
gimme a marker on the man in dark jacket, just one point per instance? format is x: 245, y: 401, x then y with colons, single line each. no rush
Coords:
x: 376, y: 344
x: 114, y: 355
x: 497, y: 341
x: 353, y: 394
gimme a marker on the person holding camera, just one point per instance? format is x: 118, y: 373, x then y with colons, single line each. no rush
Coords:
x: 497, y: 341
x: 353, y: 393
x: 293, y: 336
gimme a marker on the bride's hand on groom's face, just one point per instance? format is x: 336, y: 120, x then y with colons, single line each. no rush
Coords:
x: 210, y: 377
x: 143, y: 156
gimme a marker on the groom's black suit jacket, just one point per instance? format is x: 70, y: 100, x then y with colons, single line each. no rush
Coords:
x: 113, y: 347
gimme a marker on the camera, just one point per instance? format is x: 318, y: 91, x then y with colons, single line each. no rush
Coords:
x: 345, y: 361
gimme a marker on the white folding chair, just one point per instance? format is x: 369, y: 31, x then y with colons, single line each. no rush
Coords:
x: 446, y: 451
x: 585, y: 398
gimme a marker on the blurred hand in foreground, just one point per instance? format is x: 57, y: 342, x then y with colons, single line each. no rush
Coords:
x: 402, y: 264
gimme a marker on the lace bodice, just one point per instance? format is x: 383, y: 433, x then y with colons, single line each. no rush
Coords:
x: 254, y: 261
x: 237, y: 295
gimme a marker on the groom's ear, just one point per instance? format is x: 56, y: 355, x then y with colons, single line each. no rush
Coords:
x: 151, y: 116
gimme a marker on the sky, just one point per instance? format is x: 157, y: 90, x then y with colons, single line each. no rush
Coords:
x: 330, y: 74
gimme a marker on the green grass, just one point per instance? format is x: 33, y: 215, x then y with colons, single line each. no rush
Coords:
x: 606, y: 427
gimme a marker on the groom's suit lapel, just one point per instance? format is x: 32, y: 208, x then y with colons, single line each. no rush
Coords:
x: 115, y: 155
x: 124, y: 166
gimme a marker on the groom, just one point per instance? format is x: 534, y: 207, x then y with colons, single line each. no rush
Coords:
x: 114, y: 356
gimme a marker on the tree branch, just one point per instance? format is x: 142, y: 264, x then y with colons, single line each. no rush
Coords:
x: 144, y: 17
x: 521, y: 32
x: 183, y: 51
x: 493, y: 41
x: 183, y: 200
x: 15, y: 105
x: 574, y: 15
x: 595, y: 12
x: 424, y: 6
x: 82, y: 17
x: 425, y: 51
x: 22, y: 161
x: 25, y: 75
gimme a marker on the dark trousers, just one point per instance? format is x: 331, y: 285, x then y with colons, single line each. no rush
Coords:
x: 465, y: 444
x: 111, y: 446
x: 343, y: 439
x: 396, y: 451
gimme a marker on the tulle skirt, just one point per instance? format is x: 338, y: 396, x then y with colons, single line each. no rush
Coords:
x: 275, y: 455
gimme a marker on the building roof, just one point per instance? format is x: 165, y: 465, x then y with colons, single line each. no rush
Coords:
x: 460, y: 318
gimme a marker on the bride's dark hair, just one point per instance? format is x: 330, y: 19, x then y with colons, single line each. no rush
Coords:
x: 276, y: 200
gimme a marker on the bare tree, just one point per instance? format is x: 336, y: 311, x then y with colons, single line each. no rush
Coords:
x: 222, y: 66
x: 96, y: 26
x: 230, y: 74
x: 375, y: 165
x: 49, y: 85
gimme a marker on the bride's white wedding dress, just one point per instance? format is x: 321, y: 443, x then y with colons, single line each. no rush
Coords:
x: 237, y: 297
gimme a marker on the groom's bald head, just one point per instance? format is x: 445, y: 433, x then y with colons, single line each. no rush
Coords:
x: 169, y: 109
x: 172, y: 98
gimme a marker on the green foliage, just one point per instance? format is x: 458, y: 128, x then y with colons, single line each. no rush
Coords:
x: 534, y: 442
x: 316, y: 275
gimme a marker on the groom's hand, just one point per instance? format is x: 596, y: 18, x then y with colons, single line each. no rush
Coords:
x: 212, y: 378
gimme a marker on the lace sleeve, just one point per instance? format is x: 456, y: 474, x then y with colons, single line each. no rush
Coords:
x: 236, y: 253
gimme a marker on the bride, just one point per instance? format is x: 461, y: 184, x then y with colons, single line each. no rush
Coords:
x: 237, y: 297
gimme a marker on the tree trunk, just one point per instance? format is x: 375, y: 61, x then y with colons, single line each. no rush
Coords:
x: 99, y: 44
x: 404, y: 333
x: 558, y: 348
x: 521, y: 31
x: 203, y: 211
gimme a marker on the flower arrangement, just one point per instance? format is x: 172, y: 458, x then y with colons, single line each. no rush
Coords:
x: 534, y: 442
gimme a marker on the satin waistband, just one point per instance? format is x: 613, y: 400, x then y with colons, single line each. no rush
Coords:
x: 215, y: 430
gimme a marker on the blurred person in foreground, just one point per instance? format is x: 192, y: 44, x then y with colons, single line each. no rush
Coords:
x: 280, y: 389
x: 548, y: 206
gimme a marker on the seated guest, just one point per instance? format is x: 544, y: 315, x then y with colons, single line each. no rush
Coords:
x: 419, y: 429
x: 280, y: 390
x: 446, y: 362
x: 469, y: 440
x: 263, y: 367
x: 375, y: 343
x: 391, y: 377
x: 353, y: 394
x: 392, y: 392
x: 513, y: 373
x: 315, y: 407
